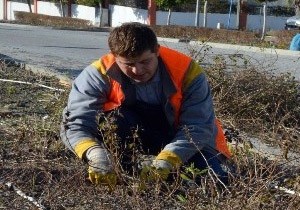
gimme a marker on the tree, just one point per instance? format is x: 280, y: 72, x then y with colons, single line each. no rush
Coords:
x: 61, y: 5
x: 93, y: 3
x: 205, y: 14
x: 264, y: 3
x: 29, y: 5
x: 170, y: 4
x: 90, y: 3
x: 197, y: 13
x: 296, y: 5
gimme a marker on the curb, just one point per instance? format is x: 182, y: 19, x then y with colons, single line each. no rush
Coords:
x: 94, y: 29
x: 232, y: 46
x: 63, y: 79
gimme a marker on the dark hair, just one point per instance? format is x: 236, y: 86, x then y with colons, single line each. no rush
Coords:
x: 132, y: 39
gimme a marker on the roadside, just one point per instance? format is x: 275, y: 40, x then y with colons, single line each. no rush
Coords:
x: 37, y: 172
x: 67, y: 80
x: 235, y: 47
x: 34, y: 160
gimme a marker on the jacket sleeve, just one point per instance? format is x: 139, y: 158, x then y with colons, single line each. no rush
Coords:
x: 197, y: 129
x: 88, y: 94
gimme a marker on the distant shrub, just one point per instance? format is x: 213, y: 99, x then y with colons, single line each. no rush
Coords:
x: 47, y: 20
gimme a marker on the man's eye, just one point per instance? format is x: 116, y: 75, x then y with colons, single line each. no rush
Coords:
x: 130, y: 64
x: 145, y: 62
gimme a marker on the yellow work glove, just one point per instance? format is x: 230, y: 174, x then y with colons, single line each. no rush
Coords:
x: 100, y: 167
x: 160, y: 167
x: 158, y: 170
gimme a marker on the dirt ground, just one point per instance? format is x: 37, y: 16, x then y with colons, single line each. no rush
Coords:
x: 37, y: 172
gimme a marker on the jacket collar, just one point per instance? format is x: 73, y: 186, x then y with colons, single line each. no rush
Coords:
x: 116, y: 74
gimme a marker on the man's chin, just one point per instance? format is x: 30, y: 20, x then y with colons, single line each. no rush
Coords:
x: 140, y: 81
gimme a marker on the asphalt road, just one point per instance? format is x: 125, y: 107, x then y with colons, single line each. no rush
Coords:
x: 69, y: 51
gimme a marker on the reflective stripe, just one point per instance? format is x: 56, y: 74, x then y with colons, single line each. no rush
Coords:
x: 83, y: 146
x: 221, y: 143
x: 115, y: 98
x: 194, y: 71
x: 116, y: 95
x: 176, y: 64
x: 99, y: 66
x: 170, y: 157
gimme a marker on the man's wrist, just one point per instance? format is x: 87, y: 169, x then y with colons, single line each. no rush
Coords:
x: 170, y: 157
x: 82, y: 147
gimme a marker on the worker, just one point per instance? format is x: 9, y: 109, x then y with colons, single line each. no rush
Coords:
x: 295, y: 43
x: 161, y: 93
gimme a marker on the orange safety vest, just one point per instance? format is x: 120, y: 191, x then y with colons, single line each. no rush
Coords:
x: 176, y: 64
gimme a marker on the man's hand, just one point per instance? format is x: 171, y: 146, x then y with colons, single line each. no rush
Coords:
x: 100, y: 167
x: 160, y: 167
x: 158, y: 170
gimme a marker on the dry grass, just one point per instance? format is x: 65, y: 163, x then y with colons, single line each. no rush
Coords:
x: 53, y: 21
x: 259, y: 102
x: 248, y: 99
x: 34, y: 159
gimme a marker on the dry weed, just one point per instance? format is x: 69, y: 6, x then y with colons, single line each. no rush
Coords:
x: 34, y: 160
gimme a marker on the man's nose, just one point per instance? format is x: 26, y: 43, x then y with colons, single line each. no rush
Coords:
x: 136, y: 69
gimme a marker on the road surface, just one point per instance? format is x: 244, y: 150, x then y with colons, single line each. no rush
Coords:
x: 69, y: 51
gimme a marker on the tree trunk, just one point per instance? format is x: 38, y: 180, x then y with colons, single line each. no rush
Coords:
x: 229, y: 15
x: 62, y: 8
x: 297, y: 7
x: 29, y: 5
x: 101, y: 14
x: 197, y: 14
x: 238, y: 11
x: 169, y: 17
x: 205, y: 14
x: 264, y: 21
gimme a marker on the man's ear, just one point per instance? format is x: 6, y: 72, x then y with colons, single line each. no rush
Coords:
x: 157, y: 50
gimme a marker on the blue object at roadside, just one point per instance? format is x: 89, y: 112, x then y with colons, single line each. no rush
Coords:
x: 295, y: 43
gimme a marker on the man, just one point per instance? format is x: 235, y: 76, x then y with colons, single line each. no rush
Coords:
x: 162, y: 92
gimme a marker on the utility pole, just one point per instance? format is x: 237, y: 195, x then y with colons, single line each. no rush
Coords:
x: 151, y: 20
x: 264, y: 21
x: 205, y: 14
x: 238, y: 11
x: 197, y: 14
x: 35, y: 7
x: 5, y: 9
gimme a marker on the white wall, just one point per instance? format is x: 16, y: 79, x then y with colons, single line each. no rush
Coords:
x: 104, y: 21
x: 120, y: 14
x: 48, y: 8
x: 83, y: 12
x: 254, y: 22
x: 1, y: 9
x: 16, y: 6
x: 188, y: 19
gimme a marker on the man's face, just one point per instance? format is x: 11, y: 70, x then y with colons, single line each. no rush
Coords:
x: 142, y: 68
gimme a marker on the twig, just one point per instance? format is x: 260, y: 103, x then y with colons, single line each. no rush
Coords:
x: 214, y: 173
x: 29, y: 83
x: 208, y: 166
x: 286, y: 190
x: 292, y: 192
x: 19, y: 192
